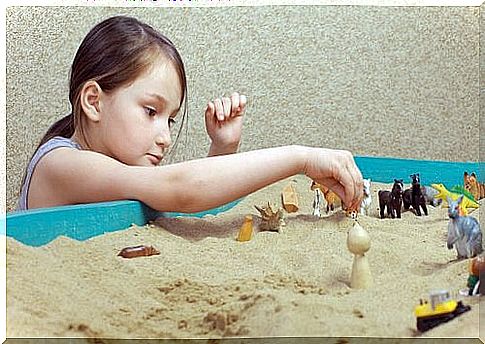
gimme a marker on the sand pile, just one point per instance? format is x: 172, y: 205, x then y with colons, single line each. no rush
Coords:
x: 206, y: 284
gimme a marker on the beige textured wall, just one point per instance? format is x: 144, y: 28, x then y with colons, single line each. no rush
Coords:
x: 379, y: 81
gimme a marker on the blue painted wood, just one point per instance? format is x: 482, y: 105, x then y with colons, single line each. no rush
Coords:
x: 384, y: 170
x: 39, y: 226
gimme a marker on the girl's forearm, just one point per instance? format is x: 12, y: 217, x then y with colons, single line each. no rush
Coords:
x: 203, y: 184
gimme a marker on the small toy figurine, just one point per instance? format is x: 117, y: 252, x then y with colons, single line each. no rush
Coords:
x: 367, y: 200
x: 471, y: 184
x: 333, y: 201
x: 443, y: 193
x: 441, y: 309
x: 414, y: 196
x: 271, y: 221
x: 392, y: 200
x: 463, y: 231
x: 317, y: 200
x: 352, y: 213
x: 429, y: 195
x: 289, y: 198
x: 358, y: 242
x: 460, y: 190
x: 246, y: 230
x: 476, y: 268
x: 138, y: 251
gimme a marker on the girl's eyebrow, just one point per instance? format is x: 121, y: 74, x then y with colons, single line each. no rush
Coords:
x: 162, y: 100
x: 158, y: 97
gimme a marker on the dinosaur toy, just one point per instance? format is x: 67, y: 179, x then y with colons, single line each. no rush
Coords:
x: 462, y: 191
x: 464, y: 204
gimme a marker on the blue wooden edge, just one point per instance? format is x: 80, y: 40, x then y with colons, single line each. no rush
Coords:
x: 40, y: 226
x: 385, y: 170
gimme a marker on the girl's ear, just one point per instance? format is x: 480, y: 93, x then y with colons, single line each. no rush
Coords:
x: 90, y: 98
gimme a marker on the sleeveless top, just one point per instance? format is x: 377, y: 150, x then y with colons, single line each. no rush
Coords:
x: 55, y: 142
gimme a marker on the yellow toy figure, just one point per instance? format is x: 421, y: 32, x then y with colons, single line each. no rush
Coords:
x: 465, y: 203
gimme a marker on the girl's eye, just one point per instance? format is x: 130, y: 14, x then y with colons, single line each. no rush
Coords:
x: 171, y: 122
x: 151, y: 112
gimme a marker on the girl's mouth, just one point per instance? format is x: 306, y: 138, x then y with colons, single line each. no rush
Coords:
x: 154, y: 159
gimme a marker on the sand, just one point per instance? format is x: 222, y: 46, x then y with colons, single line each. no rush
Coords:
x: 206, y: 284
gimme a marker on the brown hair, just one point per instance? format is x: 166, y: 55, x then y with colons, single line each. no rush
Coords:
x: 114, y: 53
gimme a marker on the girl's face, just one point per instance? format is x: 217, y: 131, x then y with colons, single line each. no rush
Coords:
x: 135, y: 120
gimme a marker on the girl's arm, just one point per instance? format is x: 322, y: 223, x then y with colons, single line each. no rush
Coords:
x: 67, y: 176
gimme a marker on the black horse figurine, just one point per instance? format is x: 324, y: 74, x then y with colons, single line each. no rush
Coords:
x: 414, y: 196
x: 392, y: 200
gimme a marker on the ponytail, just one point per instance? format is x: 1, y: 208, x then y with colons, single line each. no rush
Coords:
x: 63, y: 127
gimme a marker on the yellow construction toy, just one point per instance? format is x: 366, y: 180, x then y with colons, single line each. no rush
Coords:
x: 465, y: 203
x: 442, y: 308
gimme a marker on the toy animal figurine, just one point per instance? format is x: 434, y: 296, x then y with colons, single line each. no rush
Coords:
x: 471, y: 184
x: 271, y: 220
x: 443, y: 193
x: 367, y: 200
x: 476, y: 268
x: 333, y: 201
x: 414, y: 196
x: 317, y: 200
x: 352, y: 213
x: 392, y: 200
x: 460, y: 190
x: 429, y: 195
x: 463, y: 231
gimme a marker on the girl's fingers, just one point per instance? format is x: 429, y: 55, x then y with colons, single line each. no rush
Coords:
x: 226, y: 104
x: 351, y: 179
x: 209, y: 111
x: 226, y: 107
x: 235, y: 104
x: 348, y: 184
x: 358, y: 184
x: 242, y: 102
x: 219, y: 109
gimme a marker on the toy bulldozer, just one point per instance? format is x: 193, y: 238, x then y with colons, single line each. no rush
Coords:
x: 441, y: 308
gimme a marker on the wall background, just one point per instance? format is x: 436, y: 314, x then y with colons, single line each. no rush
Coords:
x: 380, y: 81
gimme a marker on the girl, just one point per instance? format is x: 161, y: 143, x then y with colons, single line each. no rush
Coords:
x: 127, y: 86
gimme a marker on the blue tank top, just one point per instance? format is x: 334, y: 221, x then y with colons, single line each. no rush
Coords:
x: 55, y: 142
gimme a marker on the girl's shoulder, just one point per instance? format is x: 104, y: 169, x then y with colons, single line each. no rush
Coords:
x: 47, y: 147
x: 59, y: 141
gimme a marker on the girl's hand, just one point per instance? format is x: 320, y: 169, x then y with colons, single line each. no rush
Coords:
x: 223, y: 121
x: 336, y: 169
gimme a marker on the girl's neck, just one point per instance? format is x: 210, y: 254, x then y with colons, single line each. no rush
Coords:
x: 81, y: 140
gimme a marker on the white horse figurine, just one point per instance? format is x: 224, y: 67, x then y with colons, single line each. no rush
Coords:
x: 367, y: 200
x: 317, y: 200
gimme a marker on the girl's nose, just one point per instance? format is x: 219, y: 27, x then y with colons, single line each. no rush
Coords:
x: 163, y: 139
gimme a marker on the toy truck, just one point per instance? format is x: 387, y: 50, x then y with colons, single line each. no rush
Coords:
x: 441, y: 308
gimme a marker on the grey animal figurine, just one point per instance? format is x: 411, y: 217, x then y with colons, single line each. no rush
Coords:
x: 429, y: 193
x: 463, y: 231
